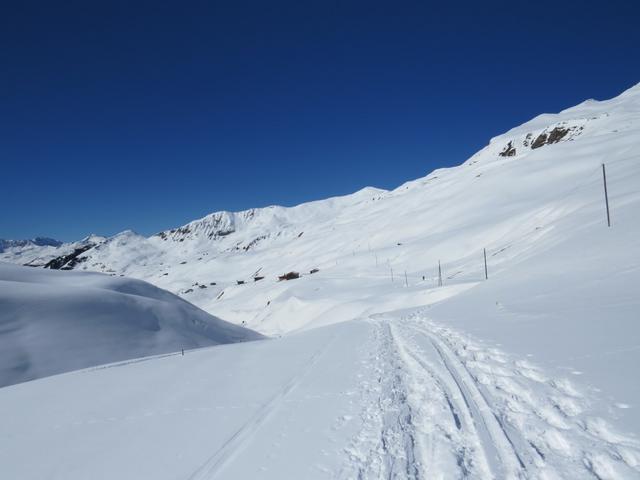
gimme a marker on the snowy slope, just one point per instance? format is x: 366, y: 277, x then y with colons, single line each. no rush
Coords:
x: 52, y: 322
x: 512, y: 205
x: 395, y: 396
x: 382, y: 373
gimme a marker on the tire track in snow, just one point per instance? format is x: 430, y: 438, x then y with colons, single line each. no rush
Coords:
x: 229, y: 450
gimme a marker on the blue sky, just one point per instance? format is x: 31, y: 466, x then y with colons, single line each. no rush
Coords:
x: 146, y: 115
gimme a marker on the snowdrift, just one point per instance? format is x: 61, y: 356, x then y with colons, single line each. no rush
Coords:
x: 53, y: 322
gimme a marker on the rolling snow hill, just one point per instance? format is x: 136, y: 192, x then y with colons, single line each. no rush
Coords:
x: 53, y: 322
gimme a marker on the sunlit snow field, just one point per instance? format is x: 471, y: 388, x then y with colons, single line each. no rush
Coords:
x: 371, y: 369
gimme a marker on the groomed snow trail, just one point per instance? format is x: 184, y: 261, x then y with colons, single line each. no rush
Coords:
x: 442, y: 405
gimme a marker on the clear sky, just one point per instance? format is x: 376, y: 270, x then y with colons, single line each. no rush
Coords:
x: 146, y: 115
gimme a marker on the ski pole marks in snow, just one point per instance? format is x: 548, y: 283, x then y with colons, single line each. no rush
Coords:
x: 386, y: 446
x: 459, y: 409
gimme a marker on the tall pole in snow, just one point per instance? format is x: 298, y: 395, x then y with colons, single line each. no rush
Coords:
x: 439, y: 274
x: 486, y: 275
x: 606, y: 195
x: 391, y: 273
x: 406, y: 282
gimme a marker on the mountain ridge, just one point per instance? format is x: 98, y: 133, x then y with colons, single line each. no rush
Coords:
x: 574, y: 117
x: 524, y: 185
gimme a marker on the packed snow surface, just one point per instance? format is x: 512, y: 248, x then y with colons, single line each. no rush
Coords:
x: 52, y: 322
x: 390, y: 396
x: 375, y: 370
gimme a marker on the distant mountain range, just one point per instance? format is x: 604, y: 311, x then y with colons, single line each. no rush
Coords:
x: 37, y: 242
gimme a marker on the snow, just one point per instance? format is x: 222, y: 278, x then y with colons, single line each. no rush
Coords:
x: 52, y: 322
x: 393, y: 396
x: 39, y: 251
x: 38, y: 242
x: 510, y: 205
x: 373, y: 370
x: 199, y: 409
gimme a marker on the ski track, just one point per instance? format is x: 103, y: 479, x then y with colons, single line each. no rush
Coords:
x: 446, y: 406
x: 229, y: 450
x: 499, y: 447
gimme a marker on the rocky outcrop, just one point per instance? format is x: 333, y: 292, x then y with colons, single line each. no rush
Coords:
x: 509, y: 150
x: 559, y: 132
x: 69, y: 261
x: 554, y: 136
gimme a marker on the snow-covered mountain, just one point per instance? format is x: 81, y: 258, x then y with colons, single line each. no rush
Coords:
x: 32, y: 242
x: 388, y: 368
x: 46, y: 252
x: 511, y: 198
x: 53, y: 322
